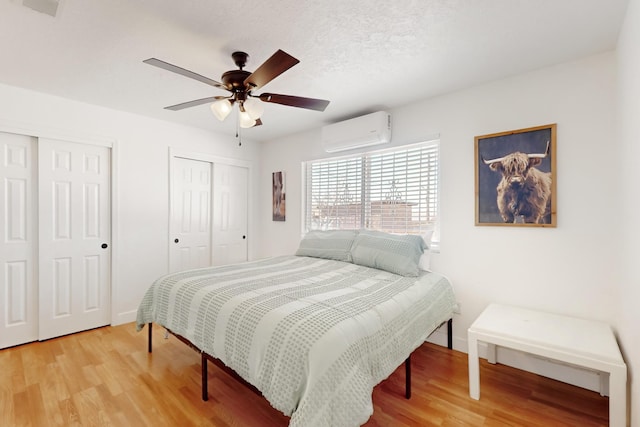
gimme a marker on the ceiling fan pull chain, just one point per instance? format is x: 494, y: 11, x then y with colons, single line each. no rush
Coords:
x: 238, y: 130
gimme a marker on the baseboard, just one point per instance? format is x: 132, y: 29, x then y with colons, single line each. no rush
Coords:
x: 439, y: 337
x: 560, y: 371
x: 124, y: 317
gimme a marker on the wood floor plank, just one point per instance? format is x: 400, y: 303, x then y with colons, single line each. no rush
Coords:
x: 14, y: 372
x: 53, y: 389
x: 105, y: 377
x: 7, y: 414
x: 91, y: 410
x: 135, y: 415
x: 70, y: 415
x: 21, y: 410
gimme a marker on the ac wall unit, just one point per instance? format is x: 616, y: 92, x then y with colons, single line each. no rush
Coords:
x: 363, y: 131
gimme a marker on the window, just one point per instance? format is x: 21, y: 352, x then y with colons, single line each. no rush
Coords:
x: 393, y: 190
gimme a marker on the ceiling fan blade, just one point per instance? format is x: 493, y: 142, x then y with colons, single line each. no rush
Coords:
x: 277, y: 64
x: 194, y: 103
x: 179, y: 70
x: 295, y: 101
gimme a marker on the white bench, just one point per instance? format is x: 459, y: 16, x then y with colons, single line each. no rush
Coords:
x: 579, y: 342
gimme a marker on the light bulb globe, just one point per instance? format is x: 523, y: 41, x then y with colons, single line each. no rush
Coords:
x: 221, y: 109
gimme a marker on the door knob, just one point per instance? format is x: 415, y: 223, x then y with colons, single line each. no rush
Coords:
x: 104, y: 246
x: 176, y: 240
x: 244, y: 237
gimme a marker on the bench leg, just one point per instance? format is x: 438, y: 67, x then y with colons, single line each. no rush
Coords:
x: 604, y: 382
x: 618, y: 397
x: 492, y: 356
x: 474, y: 367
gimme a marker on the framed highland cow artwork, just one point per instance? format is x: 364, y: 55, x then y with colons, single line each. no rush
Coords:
x: 515, y: 175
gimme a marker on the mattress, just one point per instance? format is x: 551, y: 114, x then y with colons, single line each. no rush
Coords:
x: 314, y: 336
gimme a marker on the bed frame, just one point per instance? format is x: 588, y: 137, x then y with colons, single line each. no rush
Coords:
x: 204, y: 357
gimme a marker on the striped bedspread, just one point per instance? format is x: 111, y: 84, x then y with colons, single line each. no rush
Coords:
x: 313, y: 335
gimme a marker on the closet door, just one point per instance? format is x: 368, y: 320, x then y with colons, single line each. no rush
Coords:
x: 230, y: 213
x: 18, y: 291
x: 75, y: 235
x: 190, y: 222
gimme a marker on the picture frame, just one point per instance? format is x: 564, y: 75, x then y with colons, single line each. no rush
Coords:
x: 515, y: 178
x: 278, y: 205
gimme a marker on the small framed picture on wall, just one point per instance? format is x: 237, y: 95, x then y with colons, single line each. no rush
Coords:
x: 279, y: 205
x: 516, y: 177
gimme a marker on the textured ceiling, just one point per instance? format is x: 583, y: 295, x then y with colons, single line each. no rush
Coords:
x: 362, y: 55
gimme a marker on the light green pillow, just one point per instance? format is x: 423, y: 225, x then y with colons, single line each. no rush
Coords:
x: 330, y: 244
x: 399, y: 254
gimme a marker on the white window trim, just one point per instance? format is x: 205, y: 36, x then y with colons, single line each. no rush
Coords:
x: 435, y: 242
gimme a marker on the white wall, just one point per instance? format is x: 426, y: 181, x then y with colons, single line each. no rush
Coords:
x: 628, y: 319
x: 141, y: 236
x: 567, y: 269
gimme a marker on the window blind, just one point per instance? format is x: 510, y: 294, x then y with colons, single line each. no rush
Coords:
x: 394, y: 190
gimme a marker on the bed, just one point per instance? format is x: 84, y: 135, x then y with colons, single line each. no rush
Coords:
x: 313, y: 333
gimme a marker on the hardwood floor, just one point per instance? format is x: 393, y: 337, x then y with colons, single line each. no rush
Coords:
x: 106, y: 377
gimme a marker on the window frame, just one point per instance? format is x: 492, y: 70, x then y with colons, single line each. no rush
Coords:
x: 428, y: 144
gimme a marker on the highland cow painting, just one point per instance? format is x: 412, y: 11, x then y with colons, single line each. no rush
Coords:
x: 516, y: 177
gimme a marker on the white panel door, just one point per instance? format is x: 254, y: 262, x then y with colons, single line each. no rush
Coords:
x: 230, y: 216
x: 190, y: 223
x: 75, y: 234
x: 18, y: 290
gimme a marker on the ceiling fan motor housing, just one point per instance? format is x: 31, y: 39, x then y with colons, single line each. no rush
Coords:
x: 234, y: 81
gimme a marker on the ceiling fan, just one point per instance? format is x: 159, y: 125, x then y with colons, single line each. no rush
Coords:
x: 241, y: 84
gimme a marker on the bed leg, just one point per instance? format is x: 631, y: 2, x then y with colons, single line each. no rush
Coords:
x: 450, y: 334
x: 407, y: 378
x: 205, y: 387
x: 150, y: 335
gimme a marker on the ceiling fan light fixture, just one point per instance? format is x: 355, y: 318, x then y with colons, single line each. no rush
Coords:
x: 253, y: 107
x: 221, y: 109
x: 245, y: 120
